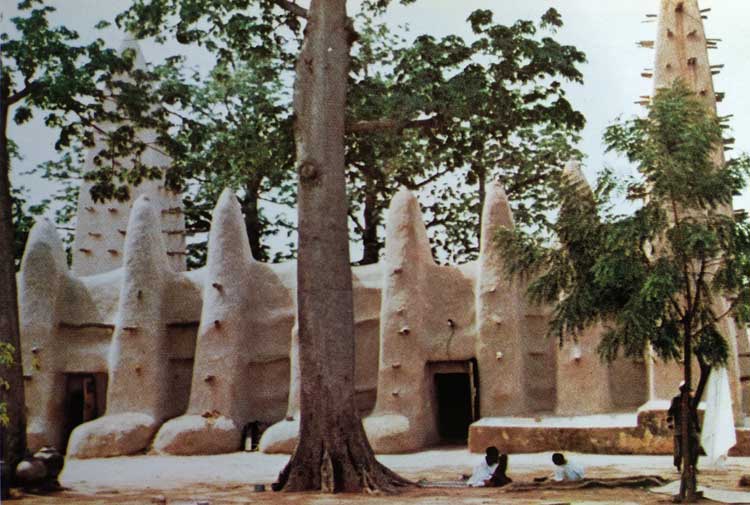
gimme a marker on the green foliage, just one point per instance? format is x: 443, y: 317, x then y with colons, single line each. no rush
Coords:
x: 659, y: 275
x: 453, y: 115
x: 24, y: 216
x: 478, y: 109
x: 234, y: 30
x: 6, y: 360
x: 80, y: 88
x: 491, y: 107
x: 229, y: 128
x: 67, y: 173
x: 23, y: 213
x: 47, y: 71
x: 233, y: 129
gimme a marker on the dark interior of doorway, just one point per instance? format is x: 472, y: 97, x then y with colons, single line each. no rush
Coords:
x: 455, y: 413
x: 84, y: 400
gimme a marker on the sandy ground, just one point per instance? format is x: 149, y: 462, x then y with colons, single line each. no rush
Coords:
x: 230, y: 479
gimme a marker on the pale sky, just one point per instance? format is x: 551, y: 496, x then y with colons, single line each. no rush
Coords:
x: 606, y: 30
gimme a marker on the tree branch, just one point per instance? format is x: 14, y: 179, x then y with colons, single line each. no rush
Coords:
x: 389, y: 124
x: 529, y: 181
x: 292, y: 7
x: 705, y: 371
x: 276, y: 202
x: 435, y: 222
x: 732, y: 306
x: 26, y: 91
x: 718, y: 318
x: 182, y: 117
x: 357, y: 224
x: 148, y: 145
x: 430, y: 179
x: 676, y: 307
x: 699, y: 285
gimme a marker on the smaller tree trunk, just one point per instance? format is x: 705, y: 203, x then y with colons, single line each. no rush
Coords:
x: 705, y: 370
x: 372, y: 246
x: 482, y: 193
x: 688, y: 485
x: 253, y: 226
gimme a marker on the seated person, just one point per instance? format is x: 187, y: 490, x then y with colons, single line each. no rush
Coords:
x: 566, y: 470
x: 499, y: 479
x: 484, y: 471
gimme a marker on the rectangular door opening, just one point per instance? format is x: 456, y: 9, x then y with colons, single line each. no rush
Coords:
x: 455, y: 410
x: 85, y: 400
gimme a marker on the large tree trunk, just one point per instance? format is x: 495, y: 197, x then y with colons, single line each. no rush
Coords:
x: 333, y: 453
x: 14, y: 435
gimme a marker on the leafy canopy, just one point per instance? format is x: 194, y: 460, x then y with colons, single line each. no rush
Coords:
x: 661, y: 274
x: 461, y: 112
x: 441, y: 116
x: 421, y: 114
x: 81, y: 89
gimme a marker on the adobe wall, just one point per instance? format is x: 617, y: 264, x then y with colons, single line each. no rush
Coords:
x: 206, y: 350
x: 192, y: 357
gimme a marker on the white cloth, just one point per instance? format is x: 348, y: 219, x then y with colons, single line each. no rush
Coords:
x: 568, y: 472
x: 481, y: 473
x: 718, y: 435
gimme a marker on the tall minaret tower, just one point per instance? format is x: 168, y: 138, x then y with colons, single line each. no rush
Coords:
x: 682, y: 53
x: 101, y: 227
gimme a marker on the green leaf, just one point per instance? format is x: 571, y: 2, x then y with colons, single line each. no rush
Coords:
x: 22, y: 115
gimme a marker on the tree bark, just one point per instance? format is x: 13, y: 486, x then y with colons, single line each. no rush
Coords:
x: 253, y: 225
x: 333, y: 453
x: 482, y: 177
x: 14, y: 435
x: 372, y: 246
x: 688, y: 484
x: 705, y: 371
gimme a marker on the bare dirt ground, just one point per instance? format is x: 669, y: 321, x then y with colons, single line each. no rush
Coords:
x: 230, y: 479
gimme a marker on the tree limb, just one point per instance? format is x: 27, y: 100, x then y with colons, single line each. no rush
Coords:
x: 517, y: 185
x: 276, y: 202
x: 26, y: 91
x: 676, y: 307
x: 357, y: 224
x: 430, y: 179
x: 292, y: 7
x: 705, y: 371
x: 389, y: 124
x: 435, y: 222
x: 718, y: 318
x: 699, y: 284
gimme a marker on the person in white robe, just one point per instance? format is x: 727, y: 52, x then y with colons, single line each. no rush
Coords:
x: 566, y: 470
x: 483, y: 471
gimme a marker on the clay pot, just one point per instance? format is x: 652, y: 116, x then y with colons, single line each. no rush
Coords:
x: 52, y: 459
x: 31, y: 472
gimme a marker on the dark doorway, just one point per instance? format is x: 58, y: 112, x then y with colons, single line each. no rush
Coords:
x: 453, y: 392
x: 84, y: 400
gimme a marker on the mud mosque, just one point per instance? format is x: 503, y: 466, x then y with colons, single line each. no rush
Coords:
x: 128, y: 352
